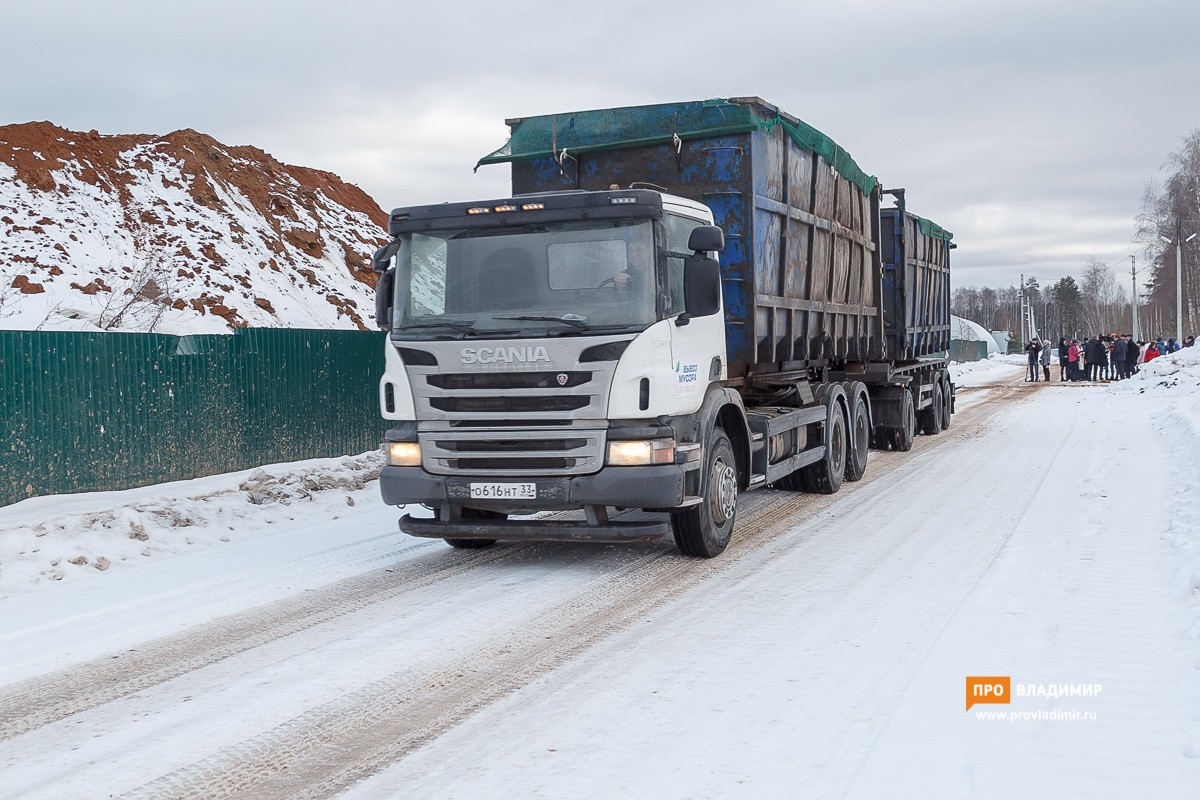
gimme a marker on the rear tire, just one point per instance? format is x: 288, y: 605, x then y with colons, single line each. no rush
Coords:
x: 825, y: 476
x: 902, y: 438
x: 704, y: 530
x: 860, y: 439
x: 475, y: 544
x: 947, y: 401
x: 931, y: 417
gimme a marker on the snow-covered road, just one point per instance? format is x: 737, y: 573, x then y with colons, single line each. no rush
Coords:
x: 298, y: 647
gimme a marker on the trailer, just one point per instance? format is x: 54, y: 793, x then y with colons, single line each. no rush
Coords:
x: 677, y: 303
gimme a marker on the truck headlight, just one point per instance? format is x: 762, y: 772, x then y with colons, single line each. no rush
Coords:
x: 404, y: 454
x: 640, y: 452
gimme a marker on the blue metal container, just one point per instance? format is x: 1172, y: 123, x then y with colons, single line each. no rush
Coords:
x: 800, y: 270
x: 916, y: 285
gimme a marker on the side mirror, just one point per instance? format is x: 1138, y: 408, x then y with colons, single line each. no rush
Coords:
x: 701, y: 286
x: 383, y: 256
x: 383, y: 299
x: 706, y: 239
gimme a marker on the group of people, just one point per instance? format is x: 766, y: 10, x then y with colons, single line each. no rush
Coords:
x: 1101, y: 358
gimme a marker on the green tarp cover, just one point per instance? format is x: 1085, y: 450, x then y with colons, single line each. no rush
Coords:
x: 932, y: 229
x: 636, y: 126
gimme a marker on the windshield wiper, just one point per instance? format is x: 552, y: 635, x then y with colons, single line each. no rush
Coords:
x: 463, y: 327
x: 578, y: 323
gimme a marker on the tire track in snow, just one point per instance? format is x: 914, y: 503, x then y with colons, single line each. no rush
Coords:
x: 30, y: 704
x: 335, y: 745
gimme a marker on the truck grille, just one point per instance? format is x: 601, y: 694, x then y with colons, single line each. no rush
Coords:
x: 513, y: 453
x: 509, y: 380
x: 519, y: 404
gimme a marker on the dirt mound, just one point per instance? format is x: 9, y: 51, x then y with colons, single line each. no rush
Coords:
x: 206, y: 228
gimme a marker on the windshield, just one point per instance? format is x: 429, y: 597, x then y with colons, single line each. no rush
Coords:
x: 547, y: 279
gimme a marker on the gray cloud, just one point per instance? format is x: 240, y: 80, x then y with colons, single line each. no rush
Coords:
x: 1028, y: 128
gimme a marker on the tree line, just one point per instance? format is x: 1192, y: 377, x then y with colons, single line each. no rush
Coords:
x: 1099, y: 300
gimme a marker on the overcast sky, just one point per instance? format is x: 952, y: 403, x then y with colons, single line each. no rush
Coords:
x: 1029, y: 129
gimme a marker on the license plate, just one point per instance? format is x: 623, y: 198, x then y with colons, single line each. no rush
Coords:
x: 503, y: 491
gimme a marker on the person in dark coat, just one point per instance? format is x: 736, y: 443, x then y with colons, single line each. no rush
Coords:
x: 1134, y: 355
x: 1119, y: 350
x: 1093, y: 352
x: 1034, y: 350
x: 1063, y: 358
x: 1188, y: 341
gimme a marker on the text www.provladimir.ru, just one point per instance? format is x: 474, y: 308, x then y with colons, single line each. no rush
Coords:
x: 1036, y: 716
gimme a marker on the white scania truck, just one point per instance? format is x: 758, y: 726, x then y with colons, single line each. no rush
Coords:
x: 742, y: 314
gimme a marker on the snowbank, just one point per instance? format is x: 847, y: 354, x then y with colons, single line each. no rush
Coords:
x: 977, y: 373
x: 1172, y: 374
x: 70, y: 537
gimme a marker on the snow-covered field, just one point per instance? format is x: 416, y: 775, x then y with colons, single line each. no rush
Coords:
x: 1053, y: 539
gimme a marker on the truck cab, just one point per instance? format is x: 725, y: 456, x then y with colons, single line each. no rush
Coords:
x: 549, y: 352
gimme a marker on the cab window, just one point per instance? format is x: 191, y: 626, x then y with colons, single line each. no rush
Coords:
x: 678, y: 230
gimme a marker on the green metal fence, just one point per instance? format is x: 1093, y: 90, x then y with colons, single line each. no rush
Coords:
x: 962, y: 351
x: 103, y: 411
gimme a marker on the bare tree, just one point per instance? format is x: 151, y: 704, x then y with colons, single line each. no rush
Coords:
x: 143, y: 295
x: 8, y: 301
x: 1171, y: 210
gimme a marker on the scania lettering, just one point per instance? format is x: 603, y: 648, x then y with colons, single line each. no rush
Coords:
x: 676, y: 304
x: 507, y: 355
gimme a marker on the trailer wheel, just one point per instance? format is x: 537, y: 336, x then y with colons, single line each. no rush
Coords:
x: 902, y: 437
x: 704, y: 530
x: 475, y: 544
x: 860, y: 428
x: 947, y: 401
x: 825, y: 476
x: 931, y: 417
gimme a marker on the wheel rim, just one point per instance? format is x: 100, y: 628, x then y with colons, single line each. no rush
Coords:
x: 861, y: 434
x: 724, y: 482
x: 837, y: 441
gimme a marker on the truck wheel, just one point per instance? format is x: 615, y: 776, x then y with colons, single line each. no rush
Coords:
x: 704, y: 530
x: 860, y: 428
x: 931, y: 417
x: 475, y: 544
x: 902, y: 438
x: 825, y: 476
x: 947, y: 401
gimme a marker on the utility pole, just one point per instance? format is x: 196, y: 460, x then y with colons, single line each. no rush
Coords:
x: 1133, y: 271
x: 1179, y: 243
x: 1021, y: 300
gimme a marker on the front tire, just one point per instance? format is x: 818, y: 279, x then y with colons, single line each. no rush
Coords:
x: 704, y: 530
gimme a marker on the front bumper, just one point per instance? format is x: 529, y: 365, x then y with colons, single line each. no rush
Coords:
x: 658, y: 486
